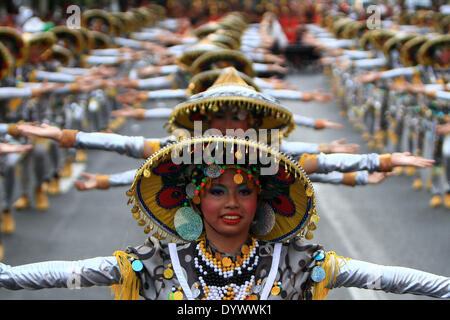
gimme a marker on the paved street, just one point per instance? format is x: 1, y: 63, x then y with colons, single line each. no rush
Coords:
x: 388, y: 224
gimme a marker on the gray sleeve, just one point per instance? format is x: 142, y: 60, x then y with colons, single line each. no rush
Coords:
x: 260, y: 67
x: 130, y: 146
x: 332, y: 177
x: 94, y: 60
x: 124, y: 42
x: 398, y: 72
x: 3, y: 128
x: 158, y: 113
x: 122, y: 179
x: 12, y: 93
x: 100, y: 271
x: 75, y: 71
x: 298, y: 148
x: 361, y: 178
x: 154, y: 83
x: 443, y: 95
x: 370, y: 63
x: 400, y: 280
x: 284, y: 94
x: 304, y: 121
x: 167, y: 94
x: 345, y: 162
x: 54, y: 76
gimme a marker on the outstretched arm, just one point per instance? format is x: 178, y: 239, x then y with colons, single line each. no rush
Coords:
x: 400, y: 280
x: 357, y: 178
x: 315, y: 123
x: 103, y: 181
x: 324, y: 163
x: 136, y: 147
x: 141, y: 114
x: 14, y: 148
x: 100, y: 271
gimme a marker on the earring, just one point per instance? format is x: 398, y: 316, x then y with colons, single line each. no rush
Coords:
x: 264, y: 220
x: 188, y: 223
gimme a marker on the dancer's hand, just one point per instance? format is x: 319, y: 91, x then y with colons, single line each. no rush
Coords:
x: 89, y: 184
x: 339, y: 146
x: 14, y: 148
x: 331, y: 125
x: 321, y: 97
x: 377, y: 177
x: 368, y: 77
x: 126, y: 111
x: 40, y: 131
x: 406, y: 159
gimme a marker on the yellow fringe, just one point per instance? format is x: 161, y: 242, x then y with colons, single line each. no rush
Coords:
x: 331, y: 266
x: 128, y: 288
x: 305, y: 156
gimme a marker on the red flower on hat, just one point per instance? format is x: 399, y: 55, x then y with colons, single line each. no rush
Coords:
x: 170, y: 197
x: 283, y: 205
x: 284, y: 176
x: 166, y: 168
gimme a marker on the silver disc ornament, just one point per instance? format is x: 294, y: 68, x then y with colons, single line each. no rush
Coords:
x: 264, y: 220
x: 188, y: 223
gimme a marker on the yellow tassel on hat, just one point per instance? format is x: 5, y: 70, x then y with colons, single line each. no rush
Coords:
x: 128, y: 288
x: 331, y: 265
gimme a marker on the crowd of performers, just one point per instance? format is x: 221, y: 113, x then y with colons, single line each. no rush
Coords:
x: 67, y: 90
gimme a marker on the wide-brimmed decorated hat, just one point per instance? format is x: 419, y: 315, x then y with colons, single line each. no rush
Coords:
x: 204, y: 80
x: 158, y: 10
x: 168, y: 186
x: 233, y: 20
x: 13, y: 41
x: 379, y: 37
x: 42, y: 39
x: 100, y: 40
x: 191, y: 53
x: 408, y: 52
x: 221, y: 59
x: 69, y: 38
x: 57, y: 52
x: 224, y: 39
x: 140, y: 18
x: 231, y: 92
x: 205, y: 29
x: 435, y: 52
x: 236, y: 35
x: 88, y: 39
x: 339, y: 26
x: 354, y: 30
x: 97, y: 20
x: 396, y: 42
x: 6, y: 62
x: 118, y: 25
x: 444, y: 24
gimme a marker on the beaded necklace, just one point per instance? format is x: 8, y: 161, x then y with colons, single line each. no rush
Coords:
x: 223, y: 279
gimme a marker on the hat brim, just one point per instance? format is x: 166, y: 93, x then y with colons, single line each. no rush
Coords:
x: 222, y: 59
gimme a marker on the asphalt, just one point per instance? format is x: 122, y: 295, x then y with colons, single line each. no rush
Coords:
x: 387, y: 224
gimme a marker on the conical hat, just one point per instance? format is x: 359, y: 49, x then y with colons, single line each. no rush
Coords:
x: 230, y: 91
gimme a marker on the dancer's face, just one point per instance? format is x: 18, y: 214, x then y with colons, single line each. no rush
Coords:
x: 227, y: 120
x: 228, y: 208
